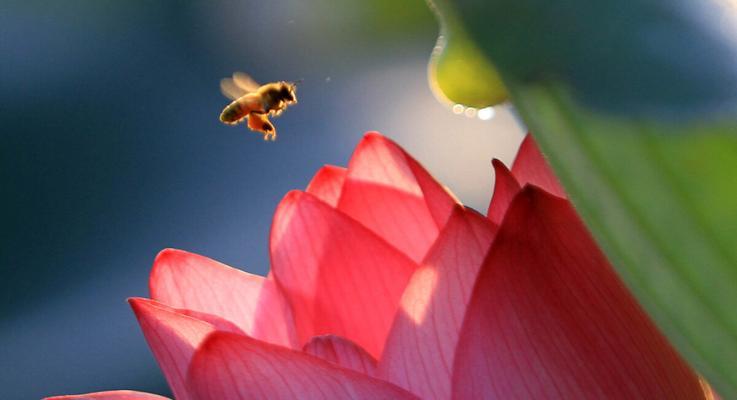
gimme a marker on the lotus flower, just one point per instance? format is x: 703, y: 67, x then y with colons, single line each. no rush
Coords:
x: 383, y: 285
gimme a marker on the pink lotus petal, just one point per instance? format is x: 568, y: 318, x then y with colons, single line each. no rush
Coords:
x: 530, y: 166
x: 505, y: 188
x: 172, y: 337
x: 327, y: 184
x: 550, y: 319
x: 185, y: 280
x: 390, y: 193
x: 420, y: 348
x: 232, y: 367
x: 339, y: 277
x: 111, y: 395
x: 342, y: 352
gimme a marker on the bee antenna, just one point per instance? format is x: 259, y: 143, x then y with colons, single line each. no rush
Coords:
x: 298, y: 81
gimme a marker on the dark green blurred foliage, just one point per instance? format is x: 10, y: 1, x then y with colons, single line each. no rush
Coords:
x: 636, y: 57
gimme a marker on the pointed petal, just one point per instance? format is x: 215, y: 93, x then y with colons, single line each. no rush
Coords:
x: 328, y: 184
x: 343, y: 352
x: 549, y: 318
x: 391, y: 194
x: 339, y: 277
x: 241, y: 368
x: 439, y: 199
x: 505, y: 188
x: 254, y: 303
x: 419, y: 352
x: 172, y: 337
x: 530, y: 166
x: 111, y: 395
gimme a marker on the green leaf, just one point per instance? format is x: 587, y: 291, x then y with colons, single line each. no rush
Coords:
x: 635, y: 104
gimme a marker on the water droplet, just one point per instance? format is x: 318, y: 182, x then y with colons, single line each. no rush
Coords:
x: 458, y: 109
x: 486, y: 114
x: 470, y: 112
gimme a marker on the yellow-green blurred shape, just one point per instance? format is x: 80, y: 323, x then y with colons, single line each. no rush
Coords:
x: 458, y: 72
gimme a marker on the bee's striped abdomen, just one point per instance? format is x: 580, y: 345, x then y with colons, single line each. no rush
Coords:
x: 238, y: 110
x: 234, y: 112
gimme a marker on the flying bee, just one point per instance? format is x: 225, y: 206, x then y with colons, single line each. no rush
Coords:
x: 256, y: 102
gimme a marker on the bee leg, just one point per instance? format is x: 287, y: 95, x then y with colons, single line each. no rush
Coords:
x: 259, y: 122
x: 269, y: 131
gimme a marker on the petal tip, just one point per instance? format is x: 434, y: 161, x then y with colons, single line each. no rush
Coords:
x: 134, y: 301
x: 373, y: 138
x: 373, y: 135
x: 287, y: 203
x: 531, y: 166
x: 171, y: 255
x: 167, y: 258
x: 498, y: 164
x: 291, y: 197
x: 168, y: 254
x: 140, y: 305
x: 505, y: 189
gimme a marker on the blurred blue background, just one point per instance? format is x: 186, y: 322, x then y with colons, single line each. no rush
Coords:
x: 112, y: 150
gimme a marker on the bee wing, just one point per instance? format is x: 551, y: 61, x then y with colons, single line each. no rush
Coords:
x: 231, y: 90
x: 237, y: 86
x: 245, y: 82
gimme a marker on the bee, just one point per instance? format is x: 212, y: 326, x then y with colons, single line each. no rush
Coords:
x: 256, y: 102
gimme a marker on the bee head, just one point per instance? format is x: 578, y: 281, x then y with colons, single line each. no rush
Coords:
x: 288, y: 92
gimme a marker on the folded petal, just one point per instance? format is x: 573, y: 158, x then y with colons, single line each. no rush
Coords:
x: 173, y: 338
x: 530, y: 166
x: 218, y: 323
x: 343, y: 352
x: 111, y: 395
x: 327, y: 184
x: 339, y: 277
x: 236, y: 367
x: 421, y: 345
x: 391, y: 194
x: 549, y: 318
x: 254, y: 303
x: 505, y: 188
